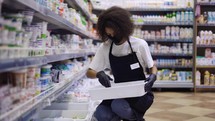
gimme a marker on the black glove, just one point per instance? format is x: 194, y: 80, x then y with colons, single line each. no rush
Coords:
x: 149, y: 82
x: 104, y: 79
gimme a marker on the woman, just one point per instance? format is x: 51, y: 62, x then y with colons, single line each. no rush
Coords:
x: 127, y: 57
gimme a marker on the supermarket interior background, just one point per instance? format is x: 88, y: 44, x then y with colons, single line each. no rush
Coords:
x: 46, y: 47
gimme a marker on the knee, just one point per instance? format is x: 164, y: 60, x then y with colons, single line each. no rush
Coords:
x: 101, y: 114
x: 122, y: 108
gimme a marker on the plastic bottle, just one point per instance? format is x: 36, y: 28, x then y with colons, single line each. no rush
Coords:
x: 210, y: 17
x: 174, y: 17
x: 212, y: 80
x: 182, y: 17
x: 186, y: 16
x: 167, y: 32
x: 198, y: 78
x: 191, y: 16
x: 178, y: 17
x: 206, y: 78
x: 205, y: 16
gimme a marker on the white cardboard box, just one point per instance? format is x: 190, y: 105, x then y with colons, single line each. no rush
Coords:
x: 118, y: 90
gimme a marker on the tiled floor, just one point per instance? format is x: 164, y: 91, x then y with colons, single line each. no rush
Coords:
x: 182, y: 106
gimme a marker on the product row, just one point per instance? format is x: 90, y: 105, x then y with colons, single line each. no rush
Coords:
x: 173, y: 62
x: 18, y: 86
x: 173, y: 32
x: 159, y: 4
x: 70, y: 14
x: 207, y: 18
x: 177, y: 48
x: 205, y: 38
x: 21, y: 40
x: 205, y: 78
x: 207, y: 59
x: 172, y: 75
x: 206, y: 1
x: 14, y: 31
x: 184, y: 17
x: 63, y: 48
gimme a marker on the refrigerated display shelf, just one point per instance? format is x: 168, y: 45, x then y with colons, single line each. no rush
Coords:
x: 205, y: 86
x: 80, y: 7
x: 13, y: 64
x: 170, y: 54
x: 206, y: 66
x: 173, y: 84
x: 45, y: 97
x: 173, y: 66
x: 47, y: 15
x: 164, y: 24
x: 170, y: 40
x: 203, y: 46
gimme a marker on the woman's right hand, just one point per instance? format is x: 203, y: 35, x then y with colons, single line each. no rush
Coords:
x: 104, y: 79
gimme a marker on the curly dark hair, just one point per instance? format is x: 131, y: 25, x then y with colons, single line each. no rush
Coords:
x: 117, y: 19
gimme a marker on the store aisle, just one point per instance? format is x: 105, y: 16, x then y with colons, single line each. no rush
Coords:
x: 171, y: 106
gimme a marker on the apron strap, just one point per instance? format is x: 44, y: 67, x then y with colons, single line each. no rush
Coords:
x: 130, y: 46
x: 128, y: 43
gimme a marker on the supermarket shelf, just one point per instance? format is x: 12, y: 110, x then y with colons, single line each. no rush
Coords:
x: 160, y: 9
x: 207, y: 4
x: 80, y: 7
x: 212, y: 66
x: 205, y: 86
x: 173, y: 84
x: 54, y: 58
x: 164, y: 24
x: 12, y: 64
x: 206, y: 25
x: 41, y: 100
x: 173, y: 66
x: 47, y: 15
x: 148, y: 9
x: 170, y: 40
x: 169, y: 54
x: 203, y: 46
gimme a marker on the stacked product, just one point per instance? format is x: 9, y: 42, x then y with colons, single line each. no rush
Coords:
x: 173, y: 33
x: 173, y: 62
x: 163, y: 4
x: 17, y: 87
x: 208, y: 78
x: 167, y: 74
x: 206, y: 18
x: 208, y: 59
x: 175, y: 49
x: 206, y: 1
x: 184, y: 17
x: 205, y: 38
x: 21, y: 39
x: 62, y: 9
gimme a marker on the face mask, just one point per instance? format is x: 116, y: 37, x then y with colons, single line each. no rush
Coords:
x: 115, y: 39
